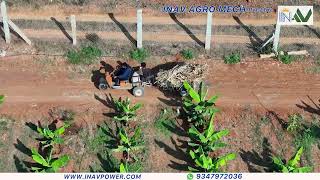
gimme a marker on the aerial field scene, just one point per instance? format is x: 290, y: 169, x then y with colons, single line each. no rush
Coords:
x: 175, y: 86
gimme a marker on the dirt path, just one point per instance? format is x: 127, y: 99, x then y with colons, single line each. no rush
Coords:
x: 165, y: 19
x: 149, y: 17
x: 160, y: 37
x: 259, y: 84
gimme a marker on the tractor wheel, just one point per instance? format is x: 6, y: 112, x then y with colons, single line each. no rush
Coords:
x: 138, y: 91
x: 103, y: 84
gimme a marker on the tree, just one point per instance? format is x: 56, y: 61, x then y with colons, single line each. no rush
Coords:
x: 209, y: 140
x: 48, y: 164
x: 196, y: 105
x: 125, y: 112
x: 292, y: 166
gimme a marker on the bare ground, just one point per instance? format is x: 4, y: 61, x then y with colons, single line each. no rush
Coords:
x: 33, y: 86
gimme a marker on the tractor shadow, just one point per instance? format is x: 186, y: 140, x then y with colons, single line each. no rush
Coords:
x: 178, y: 152
x: 258, y: 162
x: 313, y: 109
x: 186, y: 29
x: 108, y: 102
x: 97, y: 74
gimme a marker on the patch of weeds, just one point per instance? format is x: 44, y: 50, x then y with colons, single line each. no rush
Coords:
x: 102, y: 140
x: 139, y: 163
x: 279, y: 134
x: 257, y: 133
x: 139, y: 54
x: 3, y: 125
x: 295, y: 123
x: 306, y: 139
x: 66, y: 115
x: 75, y: 2
x: 107, y: 163
x: 285, y: 58
x: 233, y: 58
x: 98, y: 146
x: 317, y: 61
x: 265, y: 120
x: 307, y: 135
x: 165, y: 121
x: 187, y: 54
x: 86, y: 55
x: 315, y: 69
x: 6, y: 138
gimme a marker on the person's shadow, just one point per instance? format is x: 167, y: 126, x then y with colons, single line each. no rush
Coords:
x: 97, y: 74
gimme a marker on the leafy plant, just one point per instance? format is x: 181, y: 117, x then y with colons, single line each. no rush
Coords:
x: 48, y: 164
x: 125, y: 112
x: 1, y: 99
x: 129, y: 143
x: 293, y: 164
x: 197, y: 107
x: 134, y: 167
x: 207, y: 141
x: 233, y: 58
x: 86, y: 55
x: 205, y: 163
x: 123, y: 168
x: 165, y: 121
x: 295, y: 123
x: 285, y: 58
x: 187, y: 54
x: 139, y: 54
x: 51, y: 137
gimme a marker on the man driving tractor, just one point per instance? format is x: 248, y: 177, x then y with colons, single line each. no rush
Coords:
x: 123, y: 74
x: 124, y: 77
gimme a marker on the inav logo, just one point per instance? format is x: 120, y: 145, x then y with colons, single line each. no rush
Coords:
x: 295, y: 15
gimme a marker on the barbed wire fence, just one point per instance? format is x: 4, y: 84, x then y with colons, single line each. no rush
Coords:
x: 139, y: 36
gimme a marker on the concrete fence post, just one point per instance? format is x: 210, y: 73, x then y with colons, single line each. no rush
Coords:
x: 18, y: 31
x: 73, y: 29
x: 5, y: 22
x: 276, y: 38
x: 139, y: 28
x: 208, y: 31
x: 276, y: 35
